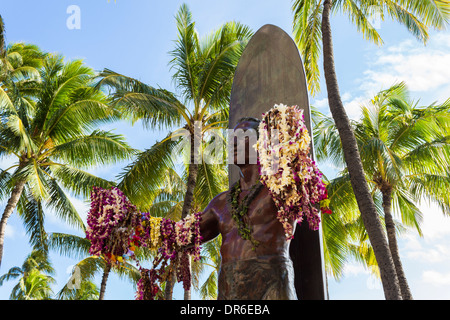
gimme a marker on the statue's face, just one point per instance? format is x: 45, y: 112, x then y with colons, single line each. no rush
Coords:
x: 245, y: 137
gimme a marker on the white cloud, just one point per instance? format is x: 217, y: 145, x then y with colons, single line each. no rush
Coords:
x: 10, y: 232
x: 422, y: 71
x: 435, y: 225
x: 353, y: 106
x: 320, y: 103
x: 355, y: 269
x: 6, y: 162
x: 425, y: 69
x: 436, y: 254
x: 346, y: 96
x: 436, y: 233
x: 436, y: 278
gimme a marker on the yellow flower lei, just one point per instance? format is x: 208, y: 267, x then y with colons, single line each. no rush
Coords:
x: 286, y: 167
x: 155, y: 232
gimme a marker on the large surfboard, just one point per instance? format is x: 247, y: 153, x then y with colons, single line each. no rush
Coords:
x: 270, y: 71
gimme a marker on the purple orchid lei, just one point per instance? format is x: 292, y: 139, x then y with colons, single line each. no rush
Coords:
x: 116, y: 229
x: 286, y: 169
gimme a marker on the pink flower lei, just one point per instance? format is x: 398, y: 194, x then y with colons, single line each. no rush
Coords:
x: 286, y: 169
x: 116, y: 229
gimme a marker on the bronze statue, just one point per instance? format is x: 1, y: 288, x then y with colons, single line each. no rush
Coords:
x: 260, y: 267
x: 270, y: 71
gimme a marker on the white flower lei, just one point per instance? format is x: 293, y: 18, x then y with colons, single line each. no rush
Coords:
x: 286, y: 169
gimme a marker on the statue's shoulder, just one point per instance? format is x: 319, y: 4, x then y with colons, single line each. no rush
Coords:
x: 221, y: 197
x: 218, y: 203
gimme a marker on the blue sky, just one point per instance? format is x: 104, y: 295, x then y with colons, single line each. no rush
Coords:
x: 134, y: 37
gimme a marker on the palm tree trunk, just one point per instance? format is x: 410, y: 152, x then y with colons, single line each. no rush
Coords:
x: 390, y: 228
x: 104, y: 280
x: 187, y: 293
x: 193, y: 172
x: 192, y: 181
x: 2, y: 38
x: 9, y: 209
x: 170, y: 282
x: 354, y: 165
x: 187, y: 204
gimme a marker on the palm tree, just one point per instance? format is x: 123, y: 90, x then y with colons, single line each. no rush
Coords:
x: 344, y: 235
x: 48, y: 126
x: 35, y: 278
x: 312, y: 32
x: 211, y: 259
x: 80, y: 285
x: 204, y: 71
x: 405, y: 152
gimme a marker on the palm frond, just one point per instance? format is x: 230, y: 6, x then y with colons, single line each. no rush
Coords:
x: 84, y: 270
x: 155, y: 108
x: 360, y: 16
x: 219, y: 56
x: 85, y: 108
x: 59, y: 81
x: 307, y: 31
x: 98, y: 148
x: 78, y: 181
x: 433, y: 13
x: 2, y: 38
x: 143, y: 177
x: 432, y: 188
x: 31, y: 212
x: 5, y: 188
x: 69, y: 245
x: 11, y: 274
x: 327, y: 143
x: 185, y: 54
x: 403, y: 204
x: 62, y: 206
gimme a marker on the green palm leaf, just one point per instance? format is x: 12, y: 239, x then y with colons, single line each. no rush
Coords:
x: 78, y: 181
x: 185, y: 61
x: 138, y: 101
x: 100, y: 147
x: 142, y: 177
x: 308, y: 35
x: 32, y: 214
x: 63, y: 207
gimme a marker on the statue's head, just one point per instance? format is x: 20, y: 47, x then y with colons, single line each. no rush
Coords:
x: 244, y: 138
